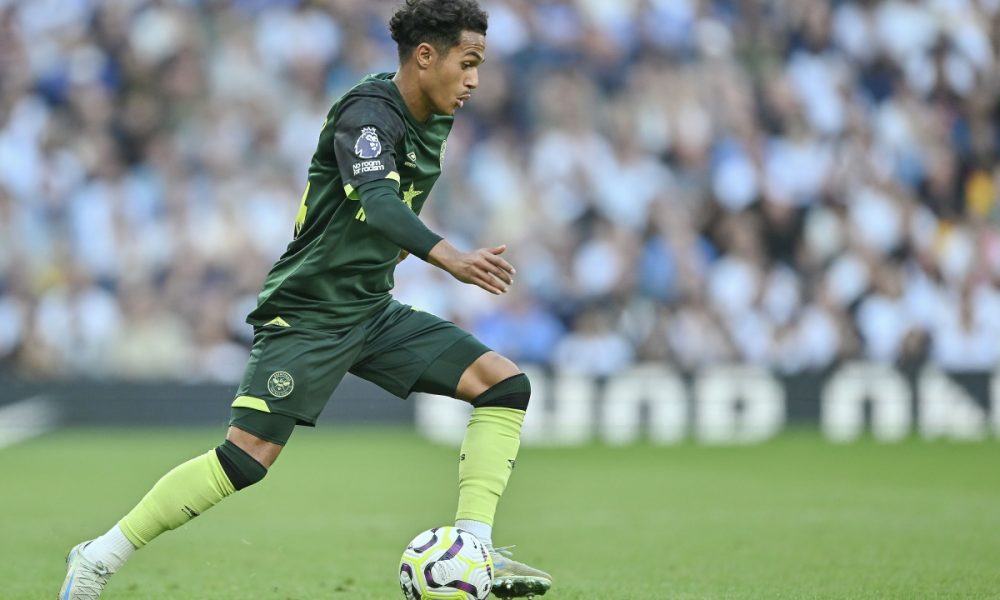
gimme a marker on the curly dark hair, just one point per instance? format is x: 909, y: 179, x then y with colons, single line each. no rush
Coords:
x: 437, y: 22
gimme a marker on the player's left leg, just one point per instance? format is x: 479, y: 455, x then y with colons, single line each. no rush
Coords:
x: 289, y: 377
x: 185, y: 492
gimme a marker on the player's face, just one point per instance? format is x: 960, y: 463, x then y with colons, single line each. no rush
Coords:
x: 455, y: 75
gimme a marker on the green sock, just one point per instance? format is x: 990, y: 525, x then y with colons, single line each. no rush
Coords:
x: 179, y: 496
x: 488, y: 453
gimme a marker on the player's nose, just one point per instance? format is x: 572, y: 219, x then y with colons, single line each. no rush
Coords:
x: 472, y: 79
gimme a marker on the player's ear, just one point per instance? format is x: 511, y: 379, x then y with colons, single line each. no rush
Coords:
x: 424, y: 54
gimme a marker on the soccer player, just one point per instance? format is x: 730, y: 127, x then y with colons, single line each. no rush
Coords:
x: 325, y: 308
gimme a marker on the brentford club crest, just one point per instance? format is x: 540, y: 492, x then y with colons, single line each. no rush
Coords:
x: 280, y: 384
x: 368, y: 145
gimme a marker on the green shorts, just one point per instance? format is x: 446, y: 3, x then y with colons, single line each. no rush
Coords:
x: 293, y: 371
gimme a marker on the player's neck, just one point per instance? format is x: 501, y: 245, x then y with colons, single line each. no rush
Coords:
x: 415, y: 100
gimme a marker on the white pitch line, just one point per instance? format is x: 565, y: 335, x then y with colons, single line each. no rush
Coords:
x: 26, y: 419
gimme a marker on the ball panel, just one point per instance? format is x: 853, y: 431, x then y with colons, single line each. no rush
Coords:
x: 445, y: 563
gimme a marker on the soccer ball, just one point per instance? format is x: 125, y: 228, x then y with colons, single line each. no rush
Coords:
x: 446, y: 563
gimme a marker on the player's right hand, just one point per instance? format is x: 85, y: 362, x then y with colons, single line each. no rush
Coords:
x: 483, y: 267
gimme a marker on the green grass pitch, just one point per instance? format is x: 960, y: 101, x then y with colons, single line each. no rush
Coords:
x: 793, y: 518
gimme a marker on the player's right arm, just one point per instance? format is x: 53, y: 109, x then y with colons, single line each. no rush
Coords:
x: 364, y: 144
x: 367, y: 132
x: 387, y: 214
x: 396, y: 222
x: 483, y: 267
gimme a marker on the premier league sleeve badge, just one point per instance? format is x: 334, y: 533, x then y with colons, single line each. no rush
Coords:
x: 368, y: 145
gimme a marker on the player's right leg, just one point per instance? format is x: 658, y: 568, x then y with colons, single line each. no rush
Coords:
x: 410, y: 351
x: 499, y: 393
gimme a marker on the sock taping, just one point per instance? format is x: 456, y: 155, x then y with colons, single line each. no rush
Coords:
x: 241, y: 468
x: 189, y: 490
x: 513, y: 392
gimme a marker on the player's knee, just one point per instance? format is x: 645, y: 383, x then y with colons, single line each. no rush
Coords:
x: 241, y: 468
x: 261, y: 434
x: 512, y: 392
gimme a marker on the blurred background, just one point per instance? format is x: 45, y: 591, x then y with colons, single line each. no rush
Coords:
x: 731, y: 219
x: 786, y: 186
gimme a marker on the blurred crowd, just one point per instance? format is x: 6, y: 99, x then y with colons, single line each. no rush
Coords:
x: 685, y: 182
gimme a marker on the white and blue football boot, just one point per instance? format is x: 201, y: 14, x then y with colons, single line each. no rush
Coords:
x: 85, y: 580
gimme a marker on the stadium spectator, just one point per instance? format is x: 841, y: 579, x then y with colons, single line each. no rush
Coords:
x: 782, y: 183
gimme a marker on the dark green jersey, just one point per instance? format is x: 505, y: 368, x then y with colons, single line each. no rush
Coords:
x: 338, y: 270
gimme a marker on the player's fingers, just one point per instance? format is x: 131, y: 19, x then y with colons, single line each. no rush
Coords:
x: 503, y: 278
x: 488, y: 263
x: 488, y: 283
x: 493, y: 271
x: 498, y: 249
x: 488, y: 287
x: 501, y: 263
x: 496, y: 284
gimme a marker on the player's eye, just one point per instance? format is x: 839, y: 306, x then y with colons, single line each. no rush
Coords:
x: 466, y: 65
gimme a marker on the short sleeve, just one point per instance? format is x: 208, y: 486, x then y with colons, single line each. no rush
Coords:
x: 365, y: 135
